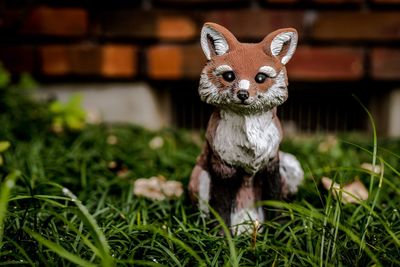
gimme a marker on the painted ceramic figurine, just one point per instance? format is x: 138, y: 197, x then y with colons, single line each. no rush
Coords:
x: 241, y: 164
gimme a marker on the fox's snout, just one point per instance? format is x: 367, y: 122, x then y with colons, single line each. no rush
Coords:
x: 242, y: 94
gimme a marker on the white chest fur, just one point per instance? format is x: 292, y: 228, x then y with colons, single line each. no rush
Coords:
x: 248, y: 141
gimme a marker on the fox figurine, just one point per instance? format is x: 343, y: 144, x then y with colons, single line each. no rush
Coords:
x: 240, y: 164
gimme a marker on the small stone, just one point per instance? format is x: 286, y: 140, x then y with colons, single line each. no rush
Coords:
x: 112, y: 140
x: 112, y: 165
x: 157, y: 188
x: 93, y: 116
x: 156, y: 143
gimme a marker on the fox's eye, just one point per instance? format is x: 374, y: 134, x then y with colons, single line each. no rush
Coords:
x: 228, y: 76
x: 260, y: 77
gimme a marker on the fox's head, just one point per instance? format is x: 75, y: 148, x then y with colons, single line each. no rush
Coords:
x: 241, y: 77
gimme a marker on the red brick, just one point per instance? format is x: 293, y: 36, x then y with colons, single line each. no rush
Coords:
x: 190, y: 2
x: 206, y: 3
x: 338, y: 1
x: 193, y: 61
x: 175, y: 28
x: 165, y: 62
x: 385, y: 63
x: 85, y: 59
x: 54, y: 60
x: 326, y: 64
x: 201, y: 3
x: 153, y: 25
x: 18, y: 58
x: 386, y: 1
x: 256, y: 24
x: 376, y: 26
x: 10, y: 18
x: 329, y: 2
x: 56, y: 21
x: 282, y: 1
x: 124, y: 23
x: 175, y: 61
x: 119, y: 61
x: 316, y: 2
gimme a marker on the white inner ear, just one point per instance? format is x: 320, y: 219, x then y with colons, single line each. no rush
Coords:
x: 278, y: 42
x: 220, y: 44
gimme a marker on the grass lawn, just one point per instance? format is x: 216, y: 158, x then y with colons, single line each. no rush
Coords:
x: 67, y: 199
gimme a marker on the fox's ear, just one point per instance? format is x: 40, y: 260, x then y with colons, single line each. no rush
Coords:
x: 216, y: 40
x: 281, y: 44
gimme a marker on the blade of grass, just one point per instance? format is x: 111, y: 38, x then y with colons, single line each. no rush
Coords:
x: 375, y: 142
x: 170, y: 254
x: 228, y: 236
x: 371, y: 210
x: 372, y: 213
x: 140, y: 263
x: 316, y: 186
x: 59, y: 250
x: 21, y: 250
x: 327, y: 214
x: 173, y: 240
x: 385, y: 163
x: 91, y: 223
x: 315, y: 214
x: 336, y: 220
x: 5, y: 190
x: 71, y: 226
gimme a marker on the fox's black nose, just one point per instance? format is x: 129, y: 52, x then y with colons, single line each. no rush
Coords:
x: 243, y: 94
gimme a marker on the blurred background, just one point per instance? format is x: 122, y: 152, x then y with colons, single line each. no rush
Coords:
x: 140, y: 61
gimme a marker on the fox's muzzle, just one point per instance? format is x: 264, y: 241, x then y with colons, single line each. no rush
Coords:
x: 243, y: 94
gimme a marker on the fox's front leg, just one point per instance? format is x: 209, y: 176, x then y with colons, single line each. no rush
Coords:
x: 199, y: 188
x: 269, y: 180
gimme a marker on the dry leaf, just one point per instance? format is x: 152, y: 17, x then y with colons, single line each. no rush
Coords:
x: 326, y: 145
x: 157, y: 188
x: 57, y: 128
x: 148, y: 188
x: 123, y: 172
x: 369, y: 167
x: 172, y: 189
x: 353, y: 192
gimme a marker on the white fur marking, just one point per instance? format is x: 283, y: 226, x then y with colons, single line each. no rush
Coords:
x: 248, y: 141
x: 268, y: 70
x: 244, y: 84
x: 221, y: 69
x: 277, y: 45
x: 242, y: 221
x: 204, y: 192
x: 220, y: 44
x: 208, y: 92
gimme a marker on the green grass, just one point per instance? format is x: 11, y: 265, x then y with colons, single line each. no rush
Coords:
x: 69, y: 208
x: 62, y: 202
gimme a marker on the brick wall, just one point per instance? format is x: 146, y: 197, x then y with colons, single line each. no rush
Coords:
x: 354, y: 42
